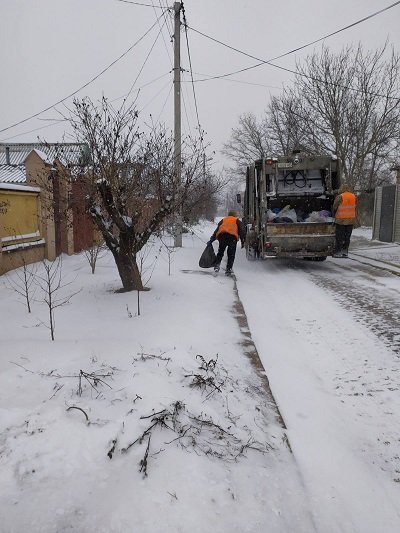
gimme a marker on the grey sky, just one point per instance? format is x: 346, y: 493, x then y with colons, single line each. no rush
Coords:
x: 52, y: 47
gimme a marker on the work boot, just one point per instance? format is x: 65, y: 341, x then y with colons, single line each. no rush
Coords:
x: 216, y: 268
x: 338, y: 254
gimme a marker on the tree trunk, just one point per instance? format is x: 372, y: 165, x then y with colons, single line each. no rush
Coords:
x: 128, y: 271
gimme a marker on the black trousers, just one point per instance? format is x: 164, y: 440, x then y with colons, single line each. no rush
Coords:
x: 343, y: 234
x: 226, y: 241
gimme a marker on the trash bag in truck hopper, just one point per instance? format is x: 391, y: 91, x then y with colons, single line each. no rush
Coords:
x: 208, y: 257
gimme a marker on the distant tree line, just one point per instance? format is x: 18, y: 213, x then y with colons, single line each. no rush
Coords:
x: 345, y: 103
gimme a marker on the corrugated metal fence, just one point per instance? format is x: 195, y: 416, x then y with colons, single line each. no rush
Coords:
x: 386, y: 221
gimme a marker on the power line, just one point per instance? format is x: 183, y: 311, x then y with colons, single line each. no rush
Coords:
x: 191, y: 72
x: 237, y: 81
x: 269, y: 61
x: 57, y: 121
x: 88, y: 83
x: 296, y: 73
x: 36, y: 129
x: 148, y: 54
x: 155, y: 96
x: 185, y: 108
x: 162, y: 34
x: 142, y: 86
x: 137, y: 3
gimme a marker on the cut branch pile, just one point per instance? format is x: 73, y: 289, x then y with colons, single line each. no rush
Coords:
x: 198, y: 433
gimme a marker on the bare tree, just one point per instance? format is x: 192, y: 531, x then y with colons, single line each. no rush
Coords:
x: 52, y: 285
x: 344, y: 103
x: 249, y: 141
x: 130, y: 183
x: 349, y: 105
x: 22, y: 281
x: 95, y: 252
x: 203, y: 199
x: 285, y: 130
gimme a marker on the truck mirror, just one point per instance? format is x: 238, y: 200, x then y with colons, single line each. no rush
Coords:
x: 238, y: 198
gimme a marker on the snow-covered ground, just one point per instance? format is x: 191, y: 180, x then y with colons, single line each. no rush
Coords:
x: 216, y: 457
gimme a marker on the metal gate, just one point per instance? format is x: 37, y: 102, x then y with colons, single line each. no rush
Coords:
x: 386, y: 223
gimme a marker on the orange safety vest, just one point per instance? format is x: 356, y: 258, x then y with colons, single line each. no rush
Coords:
x: 229, y: 225
x: 347, y: 208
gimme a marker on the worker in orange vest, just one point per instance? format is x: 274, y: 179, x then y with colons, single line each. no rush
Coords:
x: 228, y: 232
x: 344, y: 209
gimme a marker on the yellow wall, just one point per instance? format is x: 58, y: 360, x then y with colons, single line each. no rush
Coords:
x: 20, y: 216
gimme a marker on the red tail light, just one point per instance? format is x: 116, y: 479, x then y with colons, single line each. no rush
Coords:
x: 268, y: 161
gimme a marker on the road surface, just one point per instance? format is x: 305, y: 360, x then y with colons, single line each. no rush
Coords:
x: 328, y: 335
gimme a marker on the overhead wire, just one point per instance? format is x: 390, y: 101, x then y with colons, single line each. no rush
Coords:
x: 55, y: 122
x: 87, y: 83
x: 148, y: 54
x: 269, y: 61
x: 191, y: 72
x: 165, y: 103
x: 145, y: 85
x: 135, y: 3
x: 155, y: 96
x: 241, y: 81
x: 163, y: 6
x: 170, y: 30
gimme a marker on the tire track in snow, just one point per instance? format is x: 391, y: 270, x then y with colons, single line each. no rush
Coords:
x: 363, y: 295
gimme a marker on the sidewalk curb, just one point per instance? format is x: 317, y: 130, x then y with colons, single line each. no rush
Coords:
x: 377, y: 263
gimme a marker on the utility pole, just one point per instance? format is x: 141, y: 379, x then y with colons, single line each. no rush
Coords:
x: 177, y: 119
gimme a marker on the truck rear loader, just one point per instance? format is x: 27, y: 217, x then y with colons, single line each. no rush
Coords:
x: 288, y: 207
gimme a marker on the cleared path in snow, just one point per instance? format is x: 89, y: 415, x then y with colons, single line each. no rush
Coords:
x: 328, y: 336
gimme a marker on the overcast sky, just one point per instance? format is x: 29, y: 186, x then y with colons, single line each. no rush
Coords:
x: 50, y: 48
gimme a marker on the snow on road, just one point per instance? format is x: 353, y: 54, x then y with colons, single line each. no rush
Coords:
x: 328, y: 336
x: 219, y: 460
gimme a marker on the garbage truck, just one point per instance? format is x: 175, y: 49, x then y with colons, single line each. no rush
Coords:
x: 287, y: 206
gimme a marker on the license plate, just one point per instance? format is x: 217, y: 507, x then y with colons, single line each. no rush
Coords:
x: 285, y: 165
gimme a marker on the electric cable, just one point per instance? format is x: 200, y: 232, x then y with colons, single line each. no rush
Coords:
x: 269, y: 61
x: 155, y: 96
x: 148, y: 55
x: 87, y: 83
x: 239, y: 81
x: 32, y: 131
x: 300, y: 47
x: 165, y: 103
x: 135, y: 3
x: 55, y: 122
x: 163, y: 6
x: 191, y: 75
x: 142, y: 86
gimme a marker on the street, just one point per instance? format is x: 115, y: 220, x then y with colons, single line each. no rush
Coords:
x: 329, y: 341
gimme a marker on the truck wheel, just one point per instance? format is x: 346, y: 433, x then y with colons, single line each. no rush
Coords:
x: 251, y: 253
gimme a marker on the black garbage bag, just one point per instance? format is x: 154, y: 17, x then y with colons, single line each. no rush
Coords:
x: 208, y: 257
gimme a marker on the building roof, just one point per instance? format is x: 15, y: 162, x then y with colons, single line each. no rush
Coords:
x: 68, y: 154
x: 10, y: 174
x: 16, y: 187
x: 13, y: 156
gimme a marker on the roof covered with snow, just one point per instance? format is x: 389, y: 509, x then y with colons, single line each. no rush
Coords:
x: 13, y: 157
x: 17, y: 187
x: 10, y: 174
x: 66, y: 153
